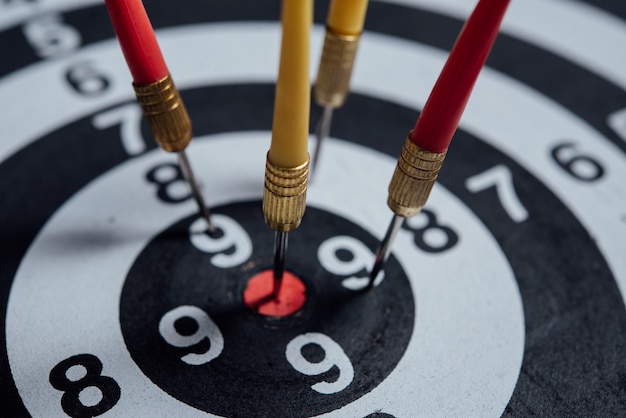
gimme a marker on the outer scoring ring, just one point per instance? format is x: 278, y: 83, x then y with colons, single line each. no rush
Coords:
x: 134, y: 225
x: 496, y: 124
x: 618, y: 269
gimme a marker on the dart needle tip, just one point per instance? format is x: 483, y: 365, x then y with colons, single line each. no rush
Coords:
x: 321, y: 132
x: 280, y: 248
x: 195, y: 190
x: 382, y: 254
x: 211, y: 229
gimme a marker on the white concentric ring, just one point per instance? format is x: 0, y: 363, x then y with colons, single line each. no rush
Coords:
x: 527, y: 139
x: 469, y: 329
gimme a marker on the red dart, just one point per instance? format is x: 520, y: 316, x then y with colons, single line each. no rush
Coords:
x: 137, y: 39
x: 161, y: 103
x: 426, y: 145
x: 443, y: 110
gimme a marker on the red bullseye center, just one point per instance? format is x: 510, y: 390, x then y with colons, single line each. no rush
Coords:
x: 258, y: 294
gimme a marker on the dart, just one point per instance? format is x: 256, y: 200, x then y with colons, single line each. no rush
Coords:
x: 155, y: 90
x: 343, y: 31
x: 426, y: 145
x: 287, y: 164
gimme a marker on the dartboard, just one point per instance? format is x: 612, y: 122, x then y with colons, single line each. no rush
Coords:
x: 504, y: 296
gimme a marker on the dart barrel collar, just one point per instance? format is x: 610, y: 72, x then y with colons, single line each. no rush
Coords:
x: 166, y: 114
x: 333, y: 77
x: 284, y: 195
x: 413, y: 179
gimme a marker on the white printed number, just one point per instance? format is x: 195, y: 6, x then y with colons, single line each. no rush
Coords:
x: 500, y: 177
x: 333, y: 356
x: 129, y: 118
x: 233, y: 237
x: 206, y: 328
x: 50, y: 37
x: 358, y: 258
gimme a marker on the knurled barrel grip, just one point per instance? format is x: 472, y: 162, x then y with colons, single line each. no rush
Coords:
x: 333, y: 77
x: 284, y: 196
x: 413, y: 179
x: 166, y: 114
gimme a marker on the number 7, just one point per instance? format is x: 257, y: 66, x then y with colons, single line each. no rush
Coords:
x: 129, y: 118
x: 501, y: 178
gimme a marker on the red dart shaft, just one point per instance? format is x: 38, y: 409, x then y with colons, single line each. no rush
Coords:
x: 156, y: 93
x: 426, y: 145
x: 137, y: 39
x: 441, y: 114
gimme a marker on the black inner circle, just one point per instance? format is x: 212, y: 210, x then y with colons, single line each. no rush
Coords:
x: 575, y: 322
x: 252, y: 376
x: 574, y: 315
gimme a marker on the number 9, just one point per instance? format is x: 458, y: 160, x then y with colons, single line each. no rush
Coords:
x: 333, y: 356
x: 233, y: 236
x: 361, y: 259
x: 206, y: 329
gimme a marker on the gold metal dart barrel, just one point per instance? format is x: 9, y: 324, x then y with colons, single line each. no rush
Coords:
x: 166, y: 114
x: 333, y: 77
x: 284, y: 196
x: 413, y: 179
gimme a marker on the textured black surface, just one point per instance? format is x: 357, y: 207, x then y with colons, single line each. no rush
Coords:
x: 252, y: 377
x: 575, y: 322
